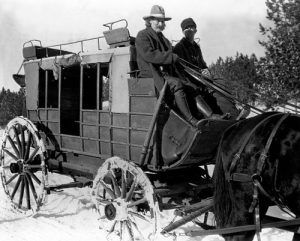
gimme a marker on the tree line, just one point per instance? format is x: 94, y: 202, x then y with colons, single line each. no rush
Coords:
x: 275, y: 78
x: 11, y: 105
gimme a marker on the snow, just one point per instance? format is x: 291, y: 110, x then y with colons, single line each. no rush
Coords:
x: 69, y: 215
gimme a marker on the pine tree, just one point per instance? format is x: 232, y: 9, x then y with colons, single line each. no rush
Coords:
x: 280, y: 68
x: 238, y: 74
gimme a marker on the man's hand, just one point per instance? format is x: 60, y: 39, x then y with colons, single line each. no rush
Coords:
x: 206, y: 73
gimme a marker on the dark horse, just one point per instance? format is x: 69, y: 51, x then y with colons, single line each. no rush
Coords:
x: 264, y: 149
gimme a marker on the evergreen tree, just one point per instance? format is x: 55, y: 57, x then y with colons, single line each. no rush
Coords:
x: 238, y: 74
x: 11, y: 105
x: 280, y: 69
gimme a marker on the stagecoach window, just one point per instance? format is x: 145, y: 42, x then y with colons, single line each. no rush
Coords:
x: 89, y: 90
x: 42, y: 88
x: 52, y: 95
x: 70, y: 100
x: 104, y: 103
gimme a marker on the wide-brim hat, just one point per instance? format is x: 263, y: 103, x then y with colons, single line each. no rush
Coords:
x: 157, y: 12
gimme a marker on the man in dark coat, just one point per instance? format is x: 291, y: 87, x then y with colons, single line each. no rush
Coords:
x: 190, y: 51
x: 153, y: 48
x: 187, y: 48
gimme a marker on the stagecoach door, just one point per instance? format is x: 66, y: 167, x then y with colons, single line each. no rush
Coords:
x: 70, y: 100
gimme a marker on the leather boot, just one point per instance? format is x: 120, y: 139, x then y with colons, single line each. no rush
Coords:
x: 204, y: 108
x: 183, y: 107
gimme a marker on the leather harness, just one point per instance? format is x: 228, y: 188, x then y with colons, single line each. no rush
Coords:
x: 256, y: 177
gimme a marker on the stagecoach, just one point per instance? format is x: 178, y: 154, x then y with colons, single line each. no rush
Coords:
x: 90, y: 117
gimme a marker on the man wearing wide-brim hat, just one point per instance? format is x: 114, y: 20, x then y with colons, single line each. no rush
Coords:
x: 154, y: 48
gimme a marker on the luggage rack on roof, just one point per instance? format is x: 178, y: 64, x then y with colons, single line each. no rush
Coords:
x: 35, y: 51
x: 118, y: 37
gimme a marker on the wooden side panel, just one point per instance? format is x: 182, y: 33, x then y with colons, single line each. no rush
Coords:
x: 138, y: 137
x: 120, y: 150
x: 120, y: 135
x: 104, y: 133
x: 135, y: 153
x: 89, y: 116
x: 90, y: 131
x: 42, y: 114
x: 142, y: 104
x: 104, y: 118
x: 140, y: 121
x: 105, y: 148
x: 141, y: 86
x: 120, y: 119
x: 53, y: 115
x: 71, y: 142
x: 90, y: 146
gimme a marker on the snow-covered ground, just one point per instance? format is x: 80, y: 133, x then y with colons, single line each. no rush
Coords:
x: 69, y: 215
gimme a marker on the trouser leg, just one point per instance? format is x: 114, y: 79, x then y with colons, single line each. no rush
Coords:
x: 176, y: 88
x: 182, y: 104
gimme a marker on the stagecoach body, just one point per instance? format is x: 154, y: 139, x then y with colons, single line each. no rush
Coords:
x: 89, y: 109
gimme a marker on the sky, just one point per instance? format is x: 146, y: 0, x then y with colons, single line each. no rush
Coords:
x: 225, y: 27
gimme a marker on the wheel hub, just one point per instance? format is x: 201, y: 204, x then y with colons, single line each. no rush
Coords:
x: 116, y: 210
x: 16, y: 167
x: 110, y: 211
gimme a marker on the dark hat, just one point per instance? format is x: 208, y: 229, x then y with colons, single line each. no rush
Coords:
x: 187, y: 22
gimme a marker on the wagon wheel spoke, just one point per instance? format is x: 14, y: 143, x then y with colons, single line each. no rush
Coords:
x: 108, y: 190
x: 131, y: 190
x: 123, y: 183
x: 129, y: 229
x: 121, y: 229
x: 137, y: 228
x: 16, y: 187
x: 22, y: 142
x: 34, y: 177
x: 27, y: 194
x: 28, y: 146
x: 21, y: 192
x: 18, y: 141
x: 32, y: 188
x: 11, y: 179
x: 32, y: 155
x: 10, y: 154
x: 139, y: 216
x: 13, y: 146
x: 112, y: 229
x: 115, y: 185
x: 102, y: 201
x: 135, y: 203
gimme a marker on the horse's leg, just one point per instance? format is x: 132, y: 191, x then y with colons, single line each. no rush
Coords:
x: 240, y: 216
x: 296, y: 237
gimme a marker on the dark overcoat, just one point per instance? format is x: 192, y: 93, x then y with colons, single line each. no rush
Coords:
x: 153, y: 48
x: 190, y: 52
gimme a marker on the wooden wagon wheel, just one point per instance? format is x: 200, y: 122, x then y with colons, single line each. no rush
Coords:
x: 124, y: 198
x: 23, y: 171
